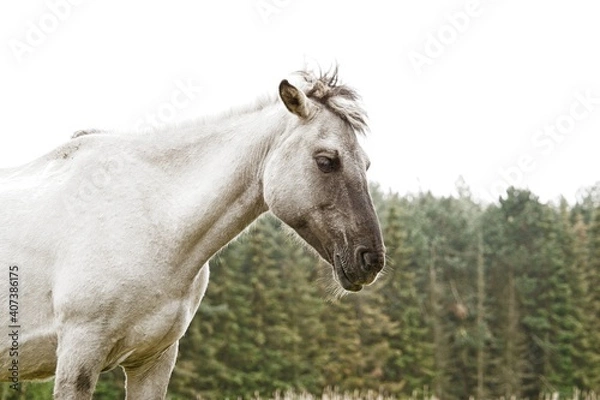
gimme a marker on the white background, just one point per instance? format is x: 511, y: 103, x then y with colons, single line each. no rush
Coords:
x: 453, y: 88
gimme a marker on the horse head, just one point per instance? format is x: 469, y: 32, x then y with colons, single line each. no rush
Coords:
x: 315, y: 181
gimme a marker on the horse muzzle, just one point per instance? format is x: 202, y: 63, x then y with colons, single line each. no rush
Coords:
x: 360, y: 269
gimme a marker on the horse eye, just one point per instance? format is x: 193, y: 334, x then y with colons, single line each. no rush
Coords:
x: 326, y: 164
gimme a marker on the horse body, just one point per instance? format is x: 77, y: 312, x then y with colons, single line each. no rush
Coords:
x: 111, y: 234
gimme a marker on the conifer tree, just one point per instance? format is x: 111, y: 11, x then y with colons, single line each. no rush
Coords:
x: 409, y: 367
x: 592, y: 309
x: 507, y: 346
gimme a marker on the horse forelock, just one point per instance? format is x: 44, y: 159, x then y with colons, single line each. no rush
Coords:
x: 344, y: 101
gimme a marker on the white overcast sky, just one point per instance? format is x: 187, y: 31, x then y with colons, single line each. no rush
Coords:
x: 497, y: 91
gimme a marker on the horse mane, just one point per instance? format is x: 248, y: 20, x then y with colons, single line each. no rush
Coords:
x: 326, y: 89
x: 322, y: 87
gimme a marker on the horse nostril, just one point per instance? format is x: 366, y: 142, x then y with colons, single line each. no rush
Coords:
x: 372, y: 260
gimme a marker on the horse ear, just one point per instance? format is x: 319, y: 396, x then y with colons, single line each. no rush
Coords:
x: 294, y: 99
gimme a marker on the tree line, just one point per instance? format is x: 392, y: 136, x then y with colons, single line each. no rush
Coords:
x: 480, y: 301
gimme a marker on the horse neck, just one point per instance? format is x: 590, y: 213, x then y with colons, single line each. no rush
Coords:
x: 212, y: 183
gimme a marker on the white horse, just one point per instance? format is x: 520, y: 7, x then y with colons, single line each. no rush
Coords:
x: 105, y: 240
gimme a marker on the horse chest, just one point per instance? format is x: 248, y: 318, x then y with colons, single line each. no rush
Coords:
x: 163, y: 322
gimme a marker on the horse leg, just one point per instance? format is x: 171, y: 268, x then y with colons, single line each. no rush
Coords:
x: 150, y: 380
x: 79, y: 362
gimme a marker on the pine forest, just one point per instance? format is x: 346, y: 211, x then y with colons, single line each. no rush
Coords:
x: 477, y: 301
